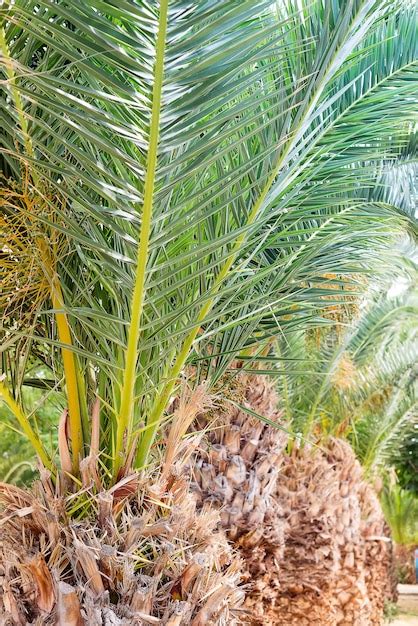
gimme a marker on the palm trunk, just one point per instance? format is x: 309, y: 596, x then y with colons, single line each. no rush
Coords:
x: 237, y: 472
x: 309, y: 528
x: 146, y: 557
x: 405, y: 564
x: 379, y: 558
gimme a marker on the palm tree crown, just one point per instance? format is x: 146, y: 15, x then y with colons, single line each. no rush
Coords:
x: 180, y: 178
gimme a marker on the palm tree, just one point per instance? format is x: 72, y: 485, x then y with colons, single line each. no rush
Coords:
x: 404, y: 459
x: 179, y: 178
x: 300, y: 509
x: 357, y: 377
x: 363, y: 387
x: 401, y: 508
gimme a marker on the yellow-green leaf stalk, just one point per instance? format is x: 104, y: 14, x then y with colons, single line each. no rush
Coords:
x: 163, y: 398
x: 24, y: 423
x: 125, y: 417
x: 64, y: 332
x: 70, y: 371
x: 56, y: 297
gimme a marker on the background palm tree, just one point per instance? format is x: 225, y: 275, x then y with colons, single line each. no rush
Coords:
x: 299, y: 508
x: 400, y: 508
x: 401, y: 511
x: 357, y: 377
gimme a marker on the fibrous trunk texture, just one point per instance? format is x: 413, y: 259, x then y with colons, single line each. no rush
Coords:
x: 380, y: 564
x: 146, y: 557
x: 321, y: 577
x: 237, y: 472
x: 309, y: 529
x: 308, y: 526
x: 337, y: 562
x: 405, y: 564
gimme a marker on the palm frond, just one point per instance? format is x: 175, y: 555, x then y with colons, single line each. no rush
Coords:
x: 401, y: 508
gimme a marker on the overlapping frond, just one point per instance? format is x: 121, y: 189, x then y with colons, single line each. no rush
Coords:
x: 359, y: 380
x: 217, y: 160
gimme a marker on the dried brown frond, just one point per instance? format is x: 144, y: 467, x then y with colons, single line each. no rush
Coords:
x: 36, y: 574
x: 190, y: 403
x: 63, y: 449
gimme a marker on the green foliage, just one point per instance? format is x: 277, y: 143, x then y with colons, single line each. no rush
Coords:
x: 357, y: 378
x: 390, y: 611
x: 17, y: 458
x: 405, y: 459
x: 401, y: 512
x: 18, y: 463
x: 214, y: 162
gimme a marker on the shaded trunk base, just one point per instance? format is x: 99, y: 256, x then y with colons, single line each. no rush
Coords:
x: 337, y: 564
x: 405, y: 564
